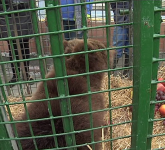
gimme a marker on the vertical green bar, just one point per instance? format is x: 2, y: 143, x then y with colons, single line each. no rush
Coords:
x: 143, y: 28
x: 4, y: 145
x: 108, y: 35
x: 57, y: 49
x: 85, y: 32
x: 157, y: 22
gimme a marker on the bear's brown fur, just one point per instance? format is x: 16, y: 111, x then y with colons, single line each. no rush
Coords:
x: 101, y: 57
x: 69, y: 46
x: 77, y: 85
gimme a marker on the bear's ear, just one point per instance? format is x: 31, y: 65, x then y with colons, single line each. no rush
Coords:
x: 65, y: 42
x: 81, y: 47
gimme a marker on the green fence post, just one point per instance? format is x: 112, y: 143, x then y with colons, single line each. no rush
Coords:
x: 157, y: 22
x: 54, y: 24
x: 108, y: 35
x: 143, y: 29
x: 4, y: 145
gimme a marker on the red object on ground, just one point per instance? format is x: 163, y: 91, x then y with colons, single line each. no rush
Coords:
x: 162, y: 110
x: 160, y: 87
x: 161, y: 79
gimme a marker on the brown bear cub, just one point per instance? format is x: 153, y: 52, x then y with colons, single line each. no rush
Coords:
x: 77, y: 85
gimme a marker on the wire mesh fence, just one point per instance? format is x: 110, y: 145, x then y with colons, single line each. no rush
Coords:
x: 67, y: 78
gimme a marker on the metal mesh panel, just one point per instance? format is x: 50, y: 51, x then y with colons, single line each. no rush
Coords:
x: 64, y: 122
x: 72, y: 84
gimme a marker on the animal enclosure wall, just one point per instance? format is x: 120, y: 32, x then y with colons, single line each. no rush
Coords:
x: 72, y: 96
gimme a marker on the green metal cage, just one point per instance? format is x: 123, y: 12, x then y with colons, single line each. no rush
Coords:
x: 130, y: 122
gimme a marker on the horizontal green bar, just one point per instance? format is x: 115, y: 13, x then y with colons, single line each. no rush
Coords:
x: 73, y: 115
x: 155, y: 135
x: 64, y: 31
x: 61, y: 134
x: 96, y: 142
x: 57, y: 117
x: 122, y: 137
x: 154, y: 120
x: 155, y: 102
x: 77, y: 95
x: 157, y: 9
x: 124, y: 11
x: 58, y: 6
x: 157, y: 59
x: 65, y: 55
x: 69, y: 76
x: 155, y: 81
x: 159, y: 148
x: 158, y: 36
x: 92, y: 142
